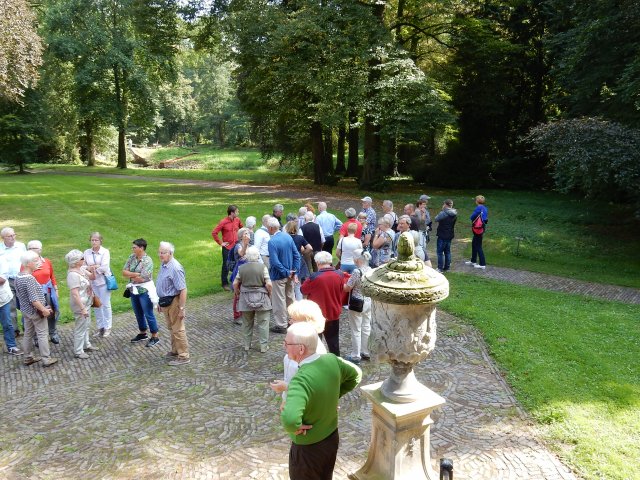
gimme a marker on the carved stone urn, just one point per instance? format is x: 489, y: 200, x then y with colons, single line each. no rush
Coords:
x: 404, y: 295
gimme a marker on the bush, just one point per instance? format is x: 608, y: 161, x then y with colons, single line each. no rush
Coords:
x: 591, y: 156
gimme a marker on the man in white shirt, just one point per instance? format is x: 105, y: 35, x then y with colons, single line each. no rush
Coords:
x: 329, y: 224
x: 261, y: 240
x: 11, y: 250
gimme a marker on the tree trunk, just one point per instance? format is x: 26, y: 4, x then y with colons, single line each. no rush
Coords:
x: 328, y: 150
x: 317, y: 153
x: 371, y: 168
x: 342, y: 135
x: 354, y: 140
x: 87, y: 149
x: 122, y: 126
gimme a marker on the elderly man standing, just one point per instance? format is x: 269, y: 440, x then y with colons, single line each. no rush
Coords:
x: 329, y: 224
x: 284, y: 263
x: 171, y: 286
x: 312, y: 233
x: 310, y: 414
x: 11, y: 250
x: 372, y: 220
x: 5, y: 311
x: 278, y: 209
x: 325, y: 287
x: 229, y: 227
x: 261, y: 239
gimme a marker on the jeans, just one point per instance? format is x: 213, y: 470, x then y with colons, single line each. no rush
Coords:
x: 347, y: 268
x: 143, y: 309
x: 443, y: 249
x: 224, y: 276
x: 7, y: 326
x: 476, y: 249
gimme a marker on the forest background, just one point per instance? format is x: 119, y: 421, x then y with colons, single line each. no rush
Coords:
x: 516, y: 93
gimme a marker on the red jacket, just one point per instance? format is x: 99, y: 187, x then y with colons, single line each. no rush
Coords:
x: 325, y: 287
x: 229, y: 230
x: 344, y: 228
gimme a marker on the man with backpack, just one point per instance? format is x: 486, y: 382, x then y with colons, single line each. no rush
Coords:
x: 479, y: 219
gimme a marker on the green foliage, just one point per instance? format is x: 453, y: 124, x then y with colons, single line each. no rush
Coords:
x: 17, y: 140
x: 572, y: 363
x: 592, y: 156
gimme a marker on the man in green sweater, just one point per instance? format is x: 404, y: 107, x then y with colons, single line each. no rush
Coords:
x: 310, y: 414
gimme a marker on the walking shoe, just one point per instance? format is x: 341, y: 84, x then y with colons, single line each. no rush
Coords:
x: 139, y: 337
x: 170, y: 355
x: 278, y: 330
x: 226, y: 288
x: 91, y: 349
x: 153, y: 341
x: 469, y: 262
x: 439, y: 270
x: 14, y: 351
x: 480, y: 266
x: 107, y: 332
x: 31, y: 360
x: 179, y: 361
x: 364, y: 356
x: 55, y: 339
x: 237, y: 321
x: 51, y: 361
x: 264, y: 349
x: 98, y: 333
x: 352, y: 359
x: 82, y: 355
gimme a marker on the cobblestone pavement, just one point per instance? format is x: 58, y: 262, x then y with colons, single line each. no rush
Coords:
x: 124, y: 414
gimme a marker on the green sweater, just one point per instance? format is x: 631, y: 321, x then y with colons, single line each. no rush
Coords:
x: 312, y: 397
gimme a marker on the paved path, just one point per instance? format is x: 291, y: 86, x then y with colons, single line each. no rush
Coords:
x: 124, y: 414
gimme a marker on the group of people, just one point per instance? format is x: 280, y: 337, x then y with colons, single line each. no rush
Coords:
x: 284, y: 268
x: 28, y: 284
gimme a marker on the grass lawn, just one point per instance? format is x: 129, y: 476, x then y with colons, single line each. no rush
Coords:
x: 209, y: 157
x: 573, y: 363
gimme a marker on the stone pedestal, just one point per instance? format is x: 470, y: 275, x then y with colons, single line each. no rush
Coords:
x: 400, y: 439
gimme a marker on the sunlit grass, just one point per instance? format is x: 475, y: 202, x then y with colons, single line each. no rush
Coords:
x: 573, y: 363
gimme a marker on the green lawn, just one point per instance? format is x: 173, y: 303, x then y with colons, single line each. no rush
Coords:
x: 573, y: 363
x: 209, y: 157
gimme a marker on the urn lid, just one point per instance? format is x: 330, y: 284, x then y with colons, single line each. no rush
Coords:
x: 406, y: 280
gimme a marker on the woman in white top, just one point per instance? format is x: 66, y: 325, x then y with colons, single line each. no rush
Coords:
x: 300, y: 311
x: 346, y: 247
x: 96, y: 260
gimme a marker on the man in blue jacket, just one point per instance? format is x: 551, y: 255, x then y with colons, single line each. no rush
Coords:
x: 284, y: 264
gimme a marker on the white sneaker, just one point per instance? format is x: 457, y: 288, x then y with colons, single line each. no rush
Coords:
x: 107, y: 332
x: 469, y: 262
x: 479, y: 266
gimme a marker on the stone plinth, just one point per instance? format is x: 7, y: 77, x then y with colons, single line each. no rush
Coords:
x: 400, y: 438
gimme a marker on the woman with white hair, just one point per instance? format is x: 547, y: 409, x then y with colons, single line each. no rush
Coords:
x: 250, y: 223
x: 236, y: 260
x: 34, y: 311
x: 360, y: 309
x: 252, y: 286
x: 97, y: 259
x: 46, y: 278
x: 300, y: 311
x: 80, y: 298
x: 381, y: 243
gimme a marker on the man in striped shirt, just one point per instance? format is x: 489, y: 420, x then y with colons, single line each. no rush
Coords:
x: 172, y: 291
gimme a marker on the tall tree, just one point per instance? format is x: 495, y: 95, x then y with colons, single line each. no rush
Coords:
x: 20, y: 49
x: 119, y: 50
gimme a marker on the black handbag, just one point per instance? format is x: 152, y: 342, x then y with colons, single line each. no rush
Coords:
x: 126, y: 293
x: 356, y: 304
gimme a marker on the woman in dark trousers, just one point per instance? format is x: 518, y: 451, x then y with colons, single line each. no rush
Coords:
x: 476, y: 244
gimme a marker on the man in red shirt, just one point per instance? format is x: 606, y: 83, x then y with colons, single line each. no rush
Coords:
x: 229, y: 227
x: 325, y: 287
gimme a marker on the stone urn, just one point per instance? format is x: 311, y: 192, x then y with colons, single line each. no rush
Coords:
x: 404, y: 294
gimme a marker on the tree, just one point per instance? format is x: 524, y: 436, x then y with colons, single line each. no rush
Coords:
x: 20, y: 49
x: 120, y: 50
